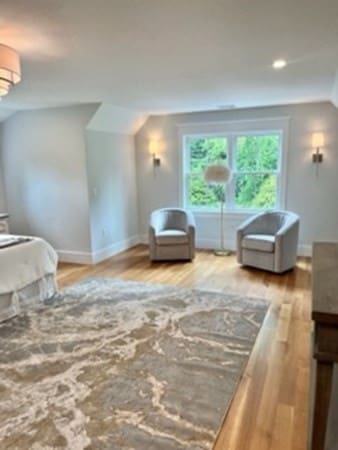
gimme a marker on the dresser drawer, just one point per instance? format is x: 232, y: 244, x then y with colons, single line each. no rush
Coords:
x: 4, y: 227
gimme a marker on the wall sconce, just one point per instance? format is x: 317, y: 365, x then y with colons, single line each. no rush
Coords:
x: 154, y: 146
x: 156, y: 161
x: 317, y: 144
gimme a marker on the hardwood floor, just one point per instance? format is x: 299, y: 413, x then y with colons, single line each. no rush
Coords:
x: 270, y: 408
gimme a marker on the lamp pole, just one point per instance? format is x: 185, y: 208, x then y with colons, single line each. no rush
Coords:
x: 219, y: 175
x: 222, y: 251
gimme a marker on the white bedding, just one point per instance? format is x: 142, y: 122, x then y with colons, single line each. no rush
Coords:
x: 24, y: 264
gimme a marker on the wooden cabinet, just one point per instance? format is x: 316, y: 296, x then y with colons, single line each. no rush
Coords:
x: 325, y: 343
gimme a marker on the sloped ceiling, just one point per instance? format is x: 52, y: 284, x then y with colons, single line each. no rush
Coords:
x: 159, y: 56
x: 116, y: 120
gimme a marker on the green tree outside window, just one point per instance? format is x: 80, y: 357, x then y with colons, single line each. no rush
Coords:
x: 254, y: 166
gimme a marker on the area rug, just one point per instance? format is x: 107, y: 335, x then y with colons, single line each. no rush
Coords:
x: 119, y: 365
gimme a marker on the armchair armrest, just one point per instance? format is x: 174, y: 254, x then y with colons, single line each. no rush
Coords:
x: 286, y: 244
x: 191, y: 230
x: 152, y: 232
x: 154, y: 222
x: 190, y: 220
x: 288, y: 227
x: 242, y: 230
x: 152, y: 241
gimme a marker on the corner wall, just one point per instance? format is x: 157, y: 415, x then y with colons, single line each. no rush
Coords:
x: 70, y: 177
x: 315, y: 199
x: 44, y: 162
x: 112, y: 193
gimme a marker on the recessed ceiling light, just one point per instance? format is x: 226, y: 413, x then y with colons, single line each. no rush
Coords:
x: 279, y: 64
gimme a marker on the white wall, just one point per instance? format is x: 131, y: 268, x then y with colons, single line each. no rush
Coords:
x: 76, y: 188
x: 71, y: 183
x: 44, y: 163
x: 315, y: 199
x: 112, y: 192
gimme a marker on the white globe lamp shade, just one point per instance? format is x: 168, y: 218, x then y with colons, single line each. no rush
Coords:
x: 217, y: 173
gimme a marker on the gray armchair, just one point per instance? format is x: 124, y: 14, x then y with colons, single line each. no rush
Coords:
x: 269, y: 241
x: 171, y: 234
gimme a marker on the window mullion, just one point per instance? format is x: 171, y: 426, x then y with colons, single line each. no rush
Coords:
x: 186, y: 171
x: 258, y: 172
x: 230, y: 187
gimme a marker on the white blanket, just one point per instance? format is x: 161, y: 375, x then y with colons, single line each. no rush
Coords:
x: 25, y: 263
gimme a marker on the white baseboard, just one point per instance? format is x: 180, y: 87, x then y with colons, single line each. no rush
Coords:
x: 111, y: 250
x: 214, y: 244
x: 303, y: 249
x: 74, y: 257
x: 200, y: 243
x: 77, y: 257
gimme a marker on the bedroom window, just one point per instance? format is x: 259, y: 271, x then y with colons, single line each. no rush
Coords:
x: 200, y: 153
x: 255, y: 159
x: 256, y: 171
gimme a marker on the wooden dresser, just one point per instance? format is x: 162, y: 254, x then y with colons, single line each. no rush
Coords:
x: 4, y: 223
x: 325, y: 344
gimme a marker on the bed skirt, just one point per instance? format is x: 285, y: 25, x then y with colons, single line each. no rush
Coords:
x: 30, y: 296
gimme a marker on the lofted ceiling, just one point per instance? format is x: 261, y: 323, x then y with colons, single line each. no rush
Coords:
x: 159, y: 56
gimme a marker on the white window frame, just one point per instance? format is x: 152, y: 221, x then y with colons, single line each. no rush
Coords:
x: 231, y: 130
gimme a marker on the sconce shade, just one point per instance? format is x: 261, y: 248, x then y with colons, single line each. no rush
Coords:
x: 153, y: 146
x: 317, y: 140
x: 10, y: 71
x: 217, y: 173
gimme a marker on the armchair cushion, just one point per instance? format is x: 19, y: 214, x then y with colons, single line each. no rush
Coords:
x: 260, y: 242
x: 172, y: 237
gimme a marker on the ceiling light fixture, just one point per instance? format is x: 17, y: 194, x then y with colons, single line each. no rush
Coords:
x: 279, y: 64
x: 10, y: 71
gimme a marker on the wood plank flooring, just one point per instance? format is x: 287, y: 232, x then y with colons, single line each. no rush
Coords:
x: 270, y: 408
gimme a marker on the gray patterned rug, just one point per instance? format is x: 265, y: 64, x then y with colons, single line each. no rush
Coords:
x: 123, y: 365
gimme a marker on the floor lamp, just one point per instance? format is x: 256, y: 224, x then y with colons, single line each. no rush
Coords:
x: 219, y: 174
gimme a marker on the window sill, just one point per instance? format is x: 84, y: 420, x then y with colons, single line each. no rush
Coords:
x: 228, y: 214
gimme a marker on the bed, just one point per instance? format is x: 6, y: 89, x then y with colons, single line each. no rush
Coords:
x: 27, y: 273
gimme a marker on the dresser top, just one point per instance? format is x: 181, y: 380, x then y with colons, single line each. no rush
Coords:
x: 4, y: 216
x: 325, y: 280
